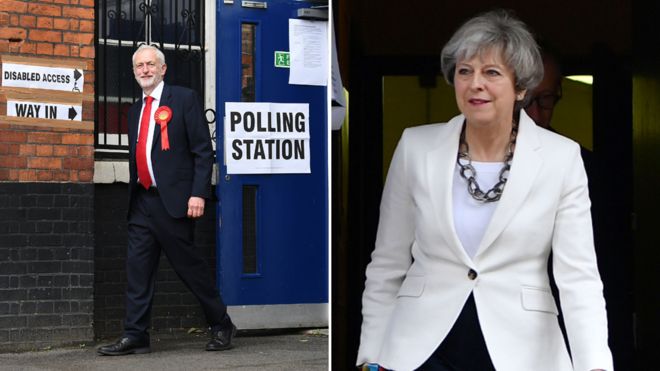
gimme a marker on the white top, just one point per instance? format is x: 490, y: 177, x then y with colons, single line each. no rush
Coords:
x: 471, y: 217
x: 156, y: 93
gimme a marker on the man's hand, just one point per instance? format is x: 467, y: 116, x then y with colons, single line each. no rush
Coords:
x: 195, y: 207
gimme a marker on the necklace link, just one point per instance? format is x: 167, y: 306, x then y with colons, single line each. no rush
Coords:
x: 469, y: 173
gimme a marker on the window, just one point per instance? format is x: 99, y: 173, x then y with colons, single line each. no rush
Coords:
x: 248, y: 55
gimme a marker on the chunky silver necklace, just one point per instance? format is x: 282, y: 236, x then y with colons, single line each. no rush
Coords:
x: 468, y: 172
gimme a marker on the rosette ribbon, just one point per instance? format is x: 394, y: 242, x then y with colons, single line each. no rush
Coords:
x: 162, y: 116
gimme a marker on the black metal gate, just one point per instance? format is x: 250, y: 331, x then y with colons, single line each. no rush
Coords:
x: 175, y: 26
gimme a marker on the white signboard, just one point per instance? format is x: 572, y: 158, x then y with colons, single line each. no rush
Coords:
x: 308, y: 43
x: 40, y: 77
x: 267, y: 138
x: 52, y: 111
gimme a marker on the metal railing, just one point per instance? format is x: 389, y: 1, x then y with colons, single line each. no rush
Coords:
x: 175, y: 26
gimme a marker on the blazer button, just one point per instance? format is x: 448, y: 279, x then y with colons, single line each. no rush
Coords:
x: 472, y: 274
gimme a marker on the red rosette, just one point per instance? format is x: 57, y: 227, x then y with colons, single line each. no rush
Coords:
x: 162, y: 116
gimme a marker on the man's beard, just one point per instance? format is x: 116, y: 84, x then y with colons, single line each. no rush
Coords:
x: 149, y: 82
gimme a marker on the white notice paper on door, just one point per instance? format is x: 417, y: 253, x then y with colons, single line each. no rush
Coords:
x: 308, y: 44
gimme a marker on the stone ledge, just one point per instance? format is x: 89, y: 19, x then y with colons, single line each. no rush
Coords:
x: 107, y: 172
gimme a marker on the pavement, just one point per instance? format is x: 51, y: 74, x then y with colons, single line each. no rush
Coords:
x: 285, y: 350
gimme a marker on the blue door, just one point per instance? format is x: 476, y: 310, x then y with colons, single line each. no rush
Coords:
x: 272, y: 240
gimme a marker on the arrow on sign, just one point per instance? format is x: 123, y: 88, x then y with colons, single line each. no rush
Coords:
x: 72, y: 113
x: 76, y: 74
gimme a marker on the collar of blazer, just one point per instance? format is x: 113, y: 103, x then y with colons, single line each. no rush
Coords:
x: 165, y: 99
x: 165, y: 96
x: 441, y: 163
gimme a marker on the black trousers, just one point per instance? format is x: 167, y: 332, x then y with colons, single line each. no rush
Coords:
x: 150, y: 229
x: 464, y: 348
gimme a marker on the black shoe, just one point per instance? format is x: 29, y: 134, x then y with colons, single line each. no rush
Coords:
x: 221, y: 340
x: 123, y: 346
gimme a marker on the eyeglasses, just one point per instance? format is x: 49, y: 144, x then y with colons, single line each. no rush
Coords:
x: 546, y: 101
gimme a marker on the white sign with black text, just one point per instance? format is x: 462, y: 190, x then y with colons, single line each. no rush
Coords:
x: 51, y: 111
x: 41, y: 77
x: 308, y: 43
x: 267, y: 138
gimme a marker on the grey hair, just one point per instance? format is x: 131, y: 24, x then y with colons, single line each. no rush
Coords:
x: 159, y: 54
x: 496, y: 30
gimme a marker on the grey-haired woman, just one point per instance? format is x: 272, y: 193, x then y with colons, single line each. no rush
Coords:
x: 470, y: 212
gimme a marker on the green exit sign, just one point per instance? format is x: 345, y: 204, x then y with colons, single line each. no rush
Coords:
x: 282, y: 59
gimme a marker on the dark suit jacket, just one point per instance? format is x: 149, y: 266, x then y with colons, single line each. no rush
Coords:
x: 185, y: 169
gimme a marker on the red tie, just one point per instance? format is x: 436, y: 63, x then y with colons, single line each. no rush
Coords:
x: 141, y: 151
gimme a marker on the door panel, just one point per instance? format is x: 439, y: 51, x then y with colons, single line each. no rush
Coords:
x: 273, y: 228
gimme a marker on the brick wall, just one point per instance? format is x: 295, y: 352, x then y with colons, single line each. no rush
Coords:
x: 46, y: 264
x: 46, y: 190
x: 51, y: 28
x: 48, y: 150
x: 34, y: 153
x: 174, y: 308
x: 43, y: 150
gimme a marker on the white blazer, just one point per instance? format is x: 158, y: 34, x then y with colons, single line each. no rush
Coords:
x: 418, y: 281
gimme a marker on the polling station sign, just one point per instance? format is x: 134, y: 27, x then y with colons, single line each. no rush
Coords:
x: 267, y: 138
x: 40, y: 77
x: 40, y: 110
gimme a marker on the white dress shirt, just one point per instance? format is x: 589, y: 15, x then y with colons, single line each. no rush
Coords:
x: 471, y: 217
x: 155, y: 94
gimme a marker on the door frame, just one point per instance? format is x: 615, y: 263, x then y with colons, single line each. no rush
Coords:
x: 253, y: 317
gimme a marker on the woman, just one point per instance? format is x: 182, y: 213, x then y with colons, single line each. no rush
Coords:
x: 470, y: 212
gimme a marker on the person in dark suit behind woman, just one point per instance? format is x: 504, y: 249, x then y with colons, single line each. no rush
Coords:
x: 470, y: 211
x: 607, y: 240
x: 170, y: 162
